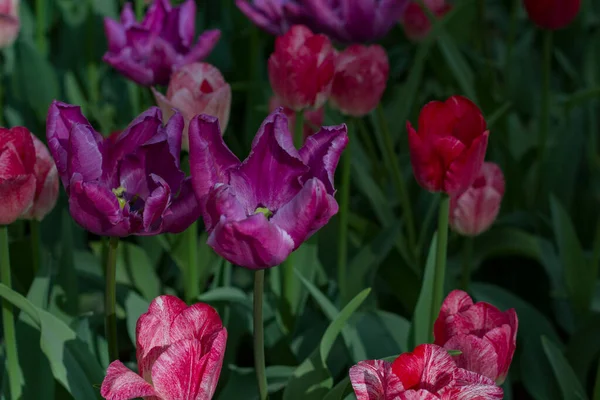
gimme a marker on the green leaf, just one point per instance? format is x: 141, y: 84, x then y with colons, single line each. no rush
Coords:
x: 242, y: 382
x: 460, y: 68
x: 382, y: 333
x: 135, y: 305
x: 228, y: 295
x: 312, y: 379
x: 422, y: 319
x: 569, y: 384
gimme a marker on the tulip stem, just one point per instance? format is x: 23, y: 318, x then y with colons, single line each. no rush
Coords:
x: 192, y: 280
x: 259, y: 340
x: 40, y: 13
x: 299, y: 129
x: 544, y: 126
x: 344, y: 214
x: 467, y: 260
x: 440, y: 257
x: 34, y: 227
x: 110, y: 300
x: 10, y: 340
x: 597, y: 385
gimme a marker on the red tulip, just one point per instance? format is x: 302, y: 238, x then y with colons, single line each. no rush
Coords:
x: 17, y: 178
x: 416, y: 23
x: 486, y: 336
x: 476, y: 209
x: 361, y: 74
x: 313, y: 119
x: 46, y: 187
x: 195, y: 89
x: 552, y: 14
x: 448, y: 150
x: 9, y: 22
x: 301, y: 68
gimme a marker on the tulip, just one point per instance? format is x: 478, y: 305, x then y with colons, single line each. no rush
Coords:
x: 195, y: 89
x: 273, y: 16
x: 448, y: 150
x: 486, y: 336
x: 474, y: 211
x: 179, y: 352
x: 552, y: 14
x: 361, y: 74
x: 131, y: 184
x: 428, y: 373
x: 259, y: 211
x: 301, y: 68
x: 313, y: 119
x: 148, y: 52
x: 416, y: 23
x: 9, y: 22
x: 46, y: 183
x: 17, y: 173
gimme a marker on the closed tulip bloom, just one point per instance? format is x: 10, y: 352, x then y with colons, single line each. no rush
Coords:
x: 9, y: 22
x: 17, y: 177
x: 260, y: 210
x: 486, y: 336
x: 273, y: 16
x: 428, y: 373
x: 361, y: 74
x: 301, y: 68
x: 196, y: 89
x: 474, y: 211
x: 447, y: 151
x: 313, y: 119
x: 416, y: 23
x: 128, y: 184
x: 46, y: 186
x: 552, y: 14
x: 149, y: 52
x: 179, y: 352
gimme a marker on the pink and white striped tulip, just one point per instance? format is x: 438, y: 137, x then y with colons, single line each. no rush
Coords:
x: 180, y: 353
x: 46, y: 182
x: 9, y: 22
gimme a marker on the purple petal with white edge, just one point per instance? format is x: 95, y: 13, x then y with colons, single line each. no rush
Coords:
x: 156, y: 205
x: 174, y: 131
x: 205, y: 44
x: 123, y: 62
x: 322, y: 152
x: 184, y: 209
x: 156, y: 15
x: 259, y: 18
x: 210, y: 158
x: 127, y: 15
x: 359, y: 17
x: 84, y: 156
x: 180, y: 26
x: 307, y: 212
x: 139, y: 131
x: 221, y: 202
x: 115, y: 35
x: 324, y: 15
x: 269, y: 177
x: 374, y: 380
x: 199, y: 321
x: 121, y: 383
x: 253, y: 243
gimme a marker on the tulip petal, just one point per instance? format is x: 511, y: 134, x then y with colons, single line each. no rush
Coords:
x: 121, y: 383
x: 16, y: 196
x: 322, y: 152
x: 84, y: 155
x: 478, y: 354
x: 472, y: 386
x: 125, y: 64
x: 156, y: 205
x: 205, y: 44
x: 374, y: 380
x: 359, y: 17
x: 252, y: 243
x: 46, y: 176
x: 199, y: 321
x: 417, y: 395
x: 428, y: 365
x: 436, y: 119
x: 21, y: 143
x: 427, y: 169
x: 115, y: 35
x: 259, y: 18
x: 184, y: 209
x: 464, y: 169
x: 174, y: 132
x: 456, y: 301
x: 221, y: 202
x: 140, y: 131
x: 469, y: 121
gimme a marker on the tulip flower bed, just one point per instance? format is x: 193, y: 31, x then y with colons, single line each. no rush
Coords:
x: 300, y: 199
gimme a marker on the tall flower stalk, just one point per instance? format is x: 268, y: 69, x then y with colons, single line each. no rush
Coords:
x: 110, y: 296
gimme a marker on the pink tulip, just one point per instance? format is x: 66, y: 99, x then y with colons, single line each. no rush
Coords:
x: 416, y: 23
x: 180, y: 352
x: 313, y: 119
x: 9, y: 22
x: 196, y: 89
x: 46, y: 187
x: 361, y: 74
x: 475, y: 210
x: 486, y: 336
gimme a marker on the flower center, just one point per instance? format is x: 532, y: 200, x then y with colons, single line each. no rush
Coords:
x: 264, y: 211
x: 120, y: 194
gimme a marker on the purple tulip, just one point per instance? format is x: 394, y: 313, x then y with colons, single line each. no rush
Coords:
x: 258, y: 211
x: 127, y: 184
x: 148, y: 52
x: 274, y: 16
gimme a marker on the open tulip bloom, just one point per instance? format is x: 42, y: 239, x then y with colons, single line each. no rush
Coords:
x: 260, y: 210
x: 128, y: 184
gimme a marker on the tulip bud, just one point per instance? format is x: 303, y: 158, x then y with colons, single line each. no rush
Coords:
x: 313, y: 119
x: 361, y: 74
x: 416, y: 23
x: 474, y: 211
x: 301, y: 69
x: 9, y: 22
x: 196, y: 89
x: 552, y: 14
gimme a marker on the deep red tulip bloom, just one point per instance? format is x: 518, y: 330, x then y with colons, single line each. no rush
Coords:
x: 179, y: 353
x: 416, y: 23
x: 17, y: 177
x: 448, y: 150
x: 475, y: 210
x: 552, y: 14
x: 9, y: 22
x: 128, y: 184
x: 313, y: 119
x: 260, y: 210
x: 428, y: 373
x: 148, y: 52
x: 301, y: 68
x: 196, y: 89
x: 486, y: 336
x: 361, y: 74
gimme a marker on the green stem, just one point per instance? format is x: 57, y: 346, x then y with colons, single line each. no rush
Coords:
x: 192, y: 280
x: 344, y: 211
x: 34, y: 226
x: 40, y: 14
x: 440, y: 257
x: 8, y: 321
x: 299, y: 129
x: 139, y: 9
x: 597, y: 385
x: 545, y: 110
x: 110, y: 299
x: 394, y: 164
x: 259, y: 340
x: 512, y: 34
x: 467, y: 261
